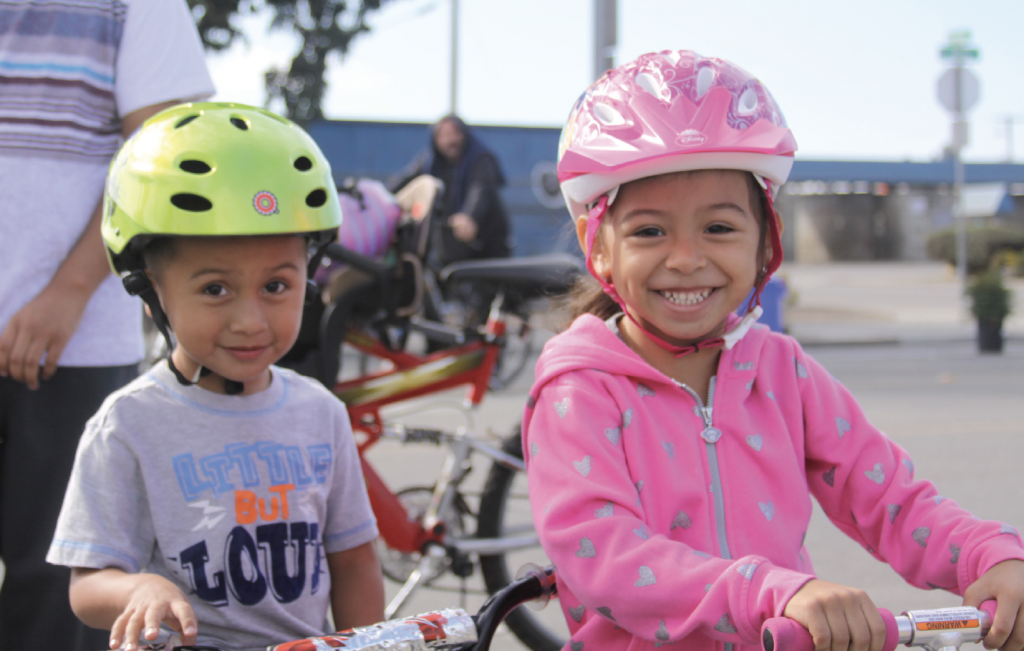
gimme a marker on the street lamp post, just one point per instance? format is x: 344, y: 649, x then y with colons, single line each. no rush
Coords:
x: 605, y: 35
x: 455, y: 58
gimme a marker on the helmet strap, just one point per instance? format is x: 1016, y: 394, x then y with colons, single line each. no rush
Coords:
x: 312, y: 291
x: 773, y: 224
x: 137, y: 283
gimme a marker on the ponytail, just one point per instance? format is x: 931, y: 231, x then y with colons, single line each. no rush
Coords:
x: 588, y: 297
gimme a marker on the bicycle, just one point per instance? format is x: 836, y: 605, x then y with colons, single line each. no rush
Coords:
x: 427, y: 530
x: 938, y: 629
x: 372, y: 306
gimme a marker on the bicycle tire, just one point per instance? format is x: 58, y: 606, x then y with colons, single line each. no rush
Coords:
x: 512, y: 359
x: 497, y: 574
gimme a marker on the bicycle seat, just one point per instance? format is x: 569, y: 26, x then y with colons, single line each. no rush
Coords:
x: 537, y: 275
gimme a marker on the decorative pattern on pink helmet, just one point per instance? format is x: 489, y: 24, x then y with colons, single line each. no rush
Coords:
x: 670, y: 111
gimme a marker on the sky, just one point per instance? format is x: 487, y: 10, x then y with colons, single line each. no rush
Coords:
x: 855, y: 80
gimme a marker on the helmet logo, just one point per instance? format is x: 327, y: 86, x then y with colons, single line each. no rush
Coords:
x: 691, y: 138
x: 265, y: 202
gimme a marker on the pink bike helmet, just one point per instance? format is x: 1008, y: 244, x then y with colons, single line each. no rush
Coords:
x: 672, y: 111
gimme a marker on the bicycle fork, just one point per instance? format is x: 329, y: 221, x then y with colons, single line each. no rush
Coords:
x: 429, y: 537
x: 456, y: 466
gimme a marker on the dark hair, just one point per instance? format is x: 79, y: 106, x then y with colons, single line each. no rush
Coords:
x: 588, y: 297
x: 157, y: 252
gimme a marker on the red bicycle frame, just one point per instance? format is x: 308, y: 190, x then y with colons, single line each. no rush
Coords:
x: 411, y: 376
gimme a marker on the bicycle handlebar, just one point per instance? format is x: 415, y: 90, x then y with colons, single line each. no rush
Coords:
x: 339, y: 253
x: 450, y: 629
x: 941, y: 629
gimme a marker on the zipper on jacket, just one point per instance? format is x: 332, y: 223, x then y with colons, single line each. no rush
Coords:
x: 711, y: 435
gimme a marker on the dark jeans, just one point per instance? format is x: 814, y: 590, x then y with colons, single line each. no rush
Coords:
x: 39, y: 432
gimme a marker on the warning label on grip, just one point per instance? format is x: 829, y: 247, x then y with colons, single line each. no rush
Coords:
x: 946, y: 619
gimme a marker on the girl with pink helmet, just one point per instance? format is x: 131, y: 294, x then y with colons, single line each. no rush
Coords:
x: 673, y: 447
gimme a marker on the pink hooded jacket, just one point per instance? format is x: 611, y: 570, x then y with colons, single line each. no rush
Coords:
x: 669, y: 523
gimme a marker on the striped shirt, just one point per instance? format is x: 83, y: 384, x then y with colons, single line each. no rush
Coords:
x: 69, y: 71
x: 57, y: 76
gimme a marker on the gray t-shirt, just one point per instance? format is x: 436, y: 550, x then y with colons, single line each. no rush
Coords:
x: 236, y: 499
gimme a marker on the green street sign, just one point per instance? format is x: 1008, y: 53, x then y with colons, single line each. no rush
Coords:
x: 959, y: 47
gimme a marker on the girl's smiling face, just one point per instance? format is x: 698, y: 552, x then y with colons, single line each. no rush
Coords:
x: 683, y: 251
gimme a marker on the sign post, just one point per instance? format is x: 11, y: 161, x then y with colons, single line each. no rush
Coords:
x: 958, y: 92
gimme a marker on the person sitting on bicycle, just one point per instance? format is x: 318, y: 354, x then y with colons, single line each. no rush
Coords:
x: 673, y: 446
x: 218, y: 495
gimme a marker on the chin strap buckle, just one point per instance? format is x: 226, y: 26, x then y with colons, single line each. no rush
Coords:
x: 746, y: 323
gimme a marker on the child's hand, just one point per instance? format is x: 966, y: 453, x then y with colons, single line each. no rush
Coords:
x: 839, y: 618
x: 1004, y: 582
x: 152, y: 601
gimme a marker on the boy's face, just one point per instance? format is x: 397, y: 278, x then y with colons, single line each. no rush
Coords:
x: 234, y: 304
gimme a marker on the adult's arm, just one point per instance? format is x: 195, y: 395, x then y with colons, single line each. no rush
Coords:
x: 416, y: 167
x: 482, y: 193
x: 46, y: 323
x: 481, y: 220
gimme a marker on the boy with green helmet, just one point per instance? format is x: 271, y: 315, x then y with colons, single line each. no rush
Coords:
x: 235, y: 482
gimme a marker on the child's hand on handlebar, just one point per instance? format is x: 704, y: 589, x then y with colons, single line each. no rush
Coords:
x: 153, y: 601
x: 1004, y: 582
x: 838, y: 618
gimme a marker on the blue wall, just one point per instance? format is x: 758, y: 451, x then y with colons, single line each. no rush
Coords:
x: 380, y: 149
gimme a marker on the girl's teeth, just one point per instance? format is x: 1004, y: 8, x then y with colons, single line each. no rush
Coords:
x: 686, y: 298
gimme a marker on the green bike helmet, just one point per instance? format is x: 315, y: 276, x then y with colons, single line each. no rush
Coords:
x: 211, y: 169
x: 214, y: 169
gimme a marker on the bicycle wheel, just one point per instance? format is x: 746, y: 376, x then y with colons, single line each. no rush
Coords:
x: 505, y: 510
x: 513, y: 357
x: 398, y: 566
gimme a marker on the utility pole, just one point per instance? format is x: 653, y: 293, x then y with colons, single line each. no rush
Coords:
x: 958, y: 91
x: 605, y: 35
x: 453, y: 101
x: 1008, y: 122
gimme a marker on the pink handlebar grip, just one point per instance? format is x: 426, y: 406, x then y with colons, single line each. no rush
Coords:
x: 784, y: 634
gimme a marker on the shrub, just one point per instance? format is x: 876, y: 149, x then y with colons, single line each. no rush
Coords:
x: 990, y: 298
x: 983, y: 245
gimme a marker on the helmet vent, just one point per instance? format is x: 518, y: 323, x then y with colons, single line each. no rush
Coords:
x: 185, y: 120
x: 191, y: 202
x: 240, y: 123
x: 747, y: 103
x: 705, y: 77
x: 303, y: 164
x: 194, y: 166
x: 649, y: 83
x: 316, y: 198
x: 608, y: 115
